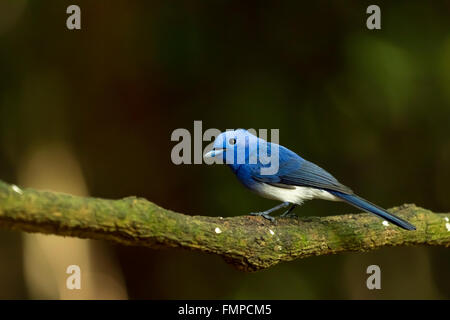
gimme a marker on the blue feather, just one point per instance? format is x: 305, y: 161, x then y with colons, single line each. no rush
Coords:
x: 365, y: 205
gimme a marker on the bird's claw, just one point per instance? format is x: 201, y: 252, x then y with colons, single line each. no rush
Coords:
x: 288, y: 214
x: 264, y: 215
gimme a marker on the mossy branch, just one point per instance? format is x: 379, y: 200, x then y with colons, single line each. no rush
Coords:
x: 248, y: 242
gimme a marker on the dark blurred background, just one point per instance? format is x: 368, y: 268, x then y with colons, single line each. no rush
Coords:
x: 91, y: 112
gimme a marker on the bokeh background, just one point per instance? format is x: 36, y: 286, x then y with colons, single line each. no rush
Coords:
x: 91, y: 112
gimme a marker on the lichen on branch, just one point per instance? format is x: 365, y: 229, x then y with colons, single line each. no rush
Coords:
x: 248, y: 242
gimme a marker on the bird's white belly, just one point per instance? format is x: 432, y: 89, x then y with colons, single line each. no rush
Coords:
x: 295, y: 195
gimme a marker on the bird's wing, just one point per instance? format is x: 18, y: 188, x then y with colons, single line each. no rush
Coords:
x: 310, y: 175
x: 295, y: 171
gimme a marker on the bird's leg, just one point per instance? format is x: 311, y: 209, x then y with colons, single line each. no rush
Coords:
x: 288, y: 213
x: 266, y: 213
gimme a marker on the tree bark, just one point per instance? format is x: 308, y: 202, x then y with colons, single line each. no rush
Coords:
x: 248, y: 242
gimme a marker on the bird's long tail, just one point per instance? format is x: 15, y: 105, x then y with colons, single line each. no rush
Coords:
x: 365, y: 205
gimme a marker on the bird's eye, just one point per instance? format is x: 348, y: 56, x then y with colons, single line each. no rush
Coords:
x: 232, y: 141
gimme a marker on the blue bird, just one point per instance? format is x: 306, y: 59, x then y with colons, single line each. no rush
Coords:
x: 294, y: 179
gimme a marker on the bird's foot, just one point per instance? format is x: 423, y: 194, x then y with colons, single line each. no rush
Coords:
x: 263, y: 214
x: 288, y: 214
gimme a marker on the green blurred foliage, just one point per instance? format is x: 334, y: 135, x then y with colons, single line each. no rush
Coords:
x: 372, y: 107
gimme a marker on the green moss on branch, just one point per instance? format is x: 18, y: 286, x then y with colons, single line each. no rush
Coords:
x: 248, y: 242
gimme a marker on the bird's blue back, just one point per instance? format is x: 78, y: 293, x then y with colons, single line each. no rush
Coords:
x: 293, y: 170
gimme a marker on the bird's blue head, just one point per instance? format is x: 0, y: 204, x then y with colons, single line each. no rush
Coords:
x: 239, y: 147
x: 233, y: 147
